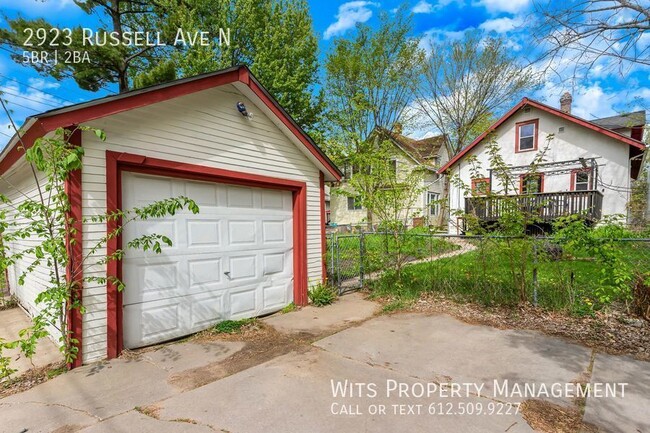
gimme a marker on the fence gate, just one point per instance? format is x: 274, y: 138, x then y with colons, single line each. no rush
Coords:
x: 345, y: 270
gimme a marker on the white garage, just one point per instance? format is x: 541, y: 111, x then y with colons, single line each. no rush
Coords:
x: 233, y: 260
x: 256, y: 245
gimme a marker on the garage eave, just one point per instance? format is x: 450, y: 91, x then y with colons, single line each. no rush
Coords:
x: 36, y: 126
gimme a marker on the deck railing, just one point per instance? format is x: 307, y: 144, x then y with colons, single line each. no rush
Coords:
x: 545, y: 206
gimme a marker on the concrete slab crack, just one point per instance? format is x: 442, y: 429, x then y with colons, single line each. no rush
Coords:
x: 91, y: 415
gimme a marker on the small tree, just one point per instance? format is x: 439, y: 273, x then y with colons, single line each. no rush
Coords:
x: 517, y: 212
x: 586, y: 31
x: 467, y: 82
x: 387, y: 193
x: 46, y: 219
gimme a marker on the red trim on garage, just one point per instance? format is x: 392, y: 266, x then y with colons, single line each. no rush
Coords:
x: 116, y: 163
x: 74, y: 270
x: 139, y: 98
x: 322, y: 227
x: 18, y: 150
x: 529, y: 102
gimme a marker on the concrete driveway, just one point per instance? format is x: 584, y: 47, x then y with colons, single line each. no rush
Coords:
x: 404, y: 372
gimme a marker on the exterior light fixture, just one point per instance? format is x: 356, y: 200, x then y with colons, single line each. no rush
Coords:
x: 242, y: 109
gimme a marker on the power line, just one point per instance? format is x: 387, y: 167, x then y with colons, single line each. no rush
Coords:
x: 49, y: 104
x: 22, y: 106
x: 35, y: 88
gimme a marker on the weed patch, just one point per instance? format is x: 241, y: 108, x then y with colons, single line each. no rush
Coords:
x: 232, y: 326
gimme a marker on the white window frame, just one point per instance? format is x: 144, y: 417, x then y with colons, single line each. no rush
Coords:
x: 433, y: 197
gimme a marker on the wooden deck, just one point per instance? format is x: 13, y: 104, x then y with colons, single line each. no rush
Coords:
x: 546, y: 206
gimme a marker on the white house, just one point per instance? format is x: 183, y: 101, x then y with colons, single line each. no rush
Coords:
x: 257, y: 243
x: 428, y: 154
x: 588, y: 167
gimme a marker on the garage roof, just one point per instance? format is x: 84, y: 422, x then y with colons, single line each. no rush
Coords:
x: 38, y: 125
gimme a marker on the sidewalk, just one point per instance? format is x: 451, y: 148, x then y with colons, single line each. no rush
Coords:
x: 11, y: 322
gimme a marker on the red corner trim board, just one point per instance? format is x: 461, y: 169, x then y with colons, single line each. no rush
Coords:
x: 74, y: 271
x: 548, y: 109
x: 116, y: 163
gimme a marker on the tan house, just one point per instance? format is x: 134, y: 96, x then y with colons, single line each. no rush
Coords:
x: 428, y: 153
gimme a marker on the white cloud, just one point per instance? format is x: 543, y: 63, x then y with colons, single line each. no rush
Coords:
x: 423, y: 7
x: 501, y: 25
x: 24, y: 103
x: 41, y: 84
x: 594, y: 100
x: 349, y: 15
x: 433, y: 36
x: 510, y: 6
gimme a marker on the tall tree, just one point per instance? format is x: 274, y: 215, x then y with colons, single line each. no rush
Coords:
x: 370, y: 79
x: 588, y: 30
x: 466, y: 82
x: 369, y: 84
x: 275, y: 38
x: 106, y: 64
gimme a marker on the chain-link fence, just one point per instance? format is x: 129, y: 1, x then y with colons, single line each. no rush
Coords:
x: 555, y: 273
x: 354, y: 258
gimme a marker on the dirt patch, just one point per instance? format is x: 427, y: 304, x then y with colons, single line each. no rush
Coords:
x: 263, y: 343
x: 612, y: 332
x: 547, y: 417
x: 152, y: 411
x: 30, y: 379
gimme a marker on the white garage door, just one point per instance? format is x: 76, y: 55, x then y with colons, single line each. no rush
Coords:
x: 232, y: 260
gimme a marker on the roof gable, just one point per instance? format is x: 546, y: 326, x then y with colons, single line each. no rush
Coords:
x: 420, y: 151
x: 40, y: 124
x: 529, y: 102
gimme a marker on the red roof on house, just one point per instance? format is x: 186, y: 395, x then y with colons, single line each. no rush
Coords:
x: 530, y: 102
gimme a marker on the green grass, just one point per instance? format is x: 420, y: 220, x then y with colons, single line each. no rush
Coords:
x: 232, y: 326
x: 289, y: 308
x: 380, y: 251
x: 494, y: 275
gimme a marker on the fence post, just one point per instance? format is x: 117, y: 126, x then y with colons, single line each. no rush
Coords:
x: 332, y: 259
x: 338, y: 265
x: 535, y: 281
x: 361, y: 254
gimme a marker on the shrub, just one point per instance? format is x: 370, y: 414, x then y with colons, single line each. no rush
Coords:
x: 321, y: 295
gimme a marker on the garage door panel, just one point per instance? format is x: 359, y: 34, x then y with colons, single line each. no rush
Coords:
x: 150, y: 281
x: 232, y: 260
x: 239, y: 197
x: 204, y: 194
x: 274, y: 263
x: 207, y: 309
x: 205, y: 273
x: 152, y: 322
x: 244, y: 302
x: 203, y: 232
x: 274, y: 296
x: 242, y: 232
x: 242, y: 268
x: 274, y: 200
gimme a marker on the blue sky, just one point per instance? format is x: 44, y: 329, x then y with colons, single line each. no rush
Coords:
x: 604, y: 91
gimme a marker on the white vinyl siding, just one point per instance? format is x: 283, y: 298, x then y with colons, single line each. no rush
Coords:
x: 204, y: 128
x: 18, y: 184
